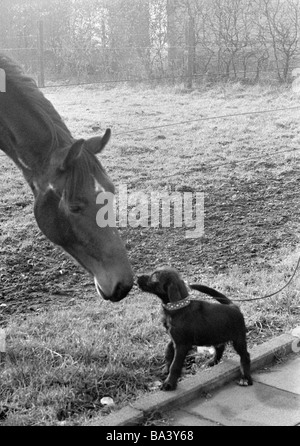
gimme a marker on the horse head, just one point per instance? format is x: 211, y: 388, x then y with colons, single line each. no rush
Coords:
x: 66, y: 208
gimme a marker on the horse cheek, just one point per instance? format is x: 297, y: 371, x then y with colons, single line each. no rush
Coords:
x: 51, y: 220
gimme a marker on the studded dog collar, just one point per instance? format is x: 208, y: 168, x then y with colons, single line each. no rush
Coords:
x: 177, y: 305
x: 173, y: 306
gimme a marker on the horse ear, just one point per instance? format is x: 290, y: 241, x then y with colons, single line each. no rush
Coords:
x: 97, y: 144
x: 72, y: 154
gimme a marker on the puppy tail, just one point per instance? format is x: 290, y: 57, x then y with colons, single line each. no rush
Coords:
x: 213, y: 293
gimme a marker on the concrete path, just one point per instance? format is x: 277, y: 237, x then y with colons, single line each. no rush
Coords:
x: 273, y: 400
x: 212, y: 397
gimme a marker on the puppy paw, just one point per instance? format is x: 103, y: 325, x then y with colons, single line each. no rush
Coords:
x: 167, y: 386
x: 245, y: 382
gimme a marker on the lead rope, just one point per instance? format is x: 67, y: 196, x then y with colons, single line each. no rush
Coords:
x: 272, y: 294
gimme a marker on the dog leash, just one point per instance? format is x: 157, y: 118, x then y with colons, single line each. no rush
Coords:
x: 272, y: 294
x: 276, y: 292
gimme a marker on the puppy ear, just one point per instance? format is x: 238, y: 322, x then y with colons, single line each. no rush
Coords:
x: 174, y: 294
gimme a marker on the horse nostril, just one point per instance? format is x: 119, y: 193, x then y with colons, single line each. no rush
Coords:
x: 121, y: 292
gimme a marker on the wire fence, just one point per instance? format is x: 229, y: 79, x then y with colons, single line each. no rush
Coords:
x: 208, y: 118
x: 211, y: 118
x: 59, y: 59
x: 31, y: 62
x: 157, y: 80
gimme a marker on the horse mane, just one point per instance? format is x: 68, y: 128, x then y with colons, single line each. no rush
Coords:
x: 34, y: 99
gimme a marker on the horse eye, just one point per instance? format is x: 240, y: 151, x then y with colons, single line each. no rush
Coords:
x: 76, y: 208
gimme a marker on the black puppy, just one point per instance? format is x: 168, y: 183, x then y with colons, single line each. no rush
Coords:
x: 193, y: 322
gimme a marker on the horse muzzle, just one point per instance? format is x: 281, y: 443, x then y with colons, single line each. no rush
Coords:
x: 120, y: 291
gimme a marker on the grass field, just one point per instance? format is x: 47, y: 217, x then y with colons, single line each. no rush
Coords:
x: 66, y: 348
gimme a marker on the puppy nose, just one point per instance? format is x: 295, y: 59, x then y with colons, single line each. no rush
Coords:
x: 142, y: 280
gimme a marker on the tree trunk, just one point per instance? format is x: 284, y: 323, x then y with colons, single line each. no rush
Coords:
x: 191, y: 52
x: 171, y: 36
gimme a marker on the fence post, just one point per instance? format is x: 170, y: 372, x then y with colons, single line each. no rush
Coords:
x: 191, y: 52
x: 41, y: 72
x: 2, y: 81
x: 2, y: 346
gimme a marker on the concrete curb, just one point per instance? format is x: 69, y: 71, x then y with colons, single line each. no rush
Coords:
x: 191, y: 388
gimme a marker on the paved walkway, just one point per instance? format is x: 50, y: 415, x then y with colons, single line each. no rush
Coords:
x: 212, y: 397
x: 273, y: 400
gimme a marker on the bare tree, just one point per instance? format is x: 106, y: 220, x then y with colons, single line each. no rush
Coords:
x: 282, y: 21
x: 117, y: 39
x: 232, y: 34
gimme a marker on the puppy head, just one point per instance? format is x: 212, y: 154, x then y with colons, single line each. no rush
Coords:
x: 166, y: 283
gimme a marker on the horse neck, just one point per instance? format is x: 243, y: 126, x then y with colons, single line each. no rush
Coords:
x: 27, y: 139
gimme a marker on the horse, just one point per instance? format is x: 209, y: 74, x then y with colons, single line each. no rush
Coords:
x: 66, y: 178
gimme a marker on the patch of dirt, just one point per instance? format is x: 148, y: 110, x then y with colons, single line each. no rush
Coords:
x: 245, y: 223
